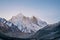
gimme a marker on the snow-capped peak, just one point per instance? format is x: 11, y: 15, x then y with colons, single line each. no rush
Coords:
x: 27, y: 24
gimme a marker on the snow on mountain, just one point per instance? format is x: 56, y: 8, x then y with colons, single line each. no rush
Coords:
x: 8, y: 25
x: 27, y: 24
x: 6, y: 22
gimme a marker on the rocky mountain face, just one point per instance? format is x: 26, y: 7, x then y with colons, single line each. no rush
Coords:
x: 50, y: 32
x: 9, y: 29
x: 27, y: 28
x: 7, y: 26
x: 21, y: 26
x: 27, y: 24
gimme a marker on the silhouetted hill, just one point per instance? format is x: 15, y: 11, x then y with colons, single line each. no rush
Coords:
x: 50, y: 32
x: 4, y: 37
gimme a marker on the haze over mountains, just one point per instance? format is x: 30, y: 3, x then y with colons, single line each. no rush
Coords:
x: 20, y: 26
x: 27, y: 24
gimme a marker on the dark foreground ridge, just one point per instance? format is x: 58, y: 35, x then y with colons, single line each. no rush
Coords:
x: 50, y: 32
x: 4, y: 37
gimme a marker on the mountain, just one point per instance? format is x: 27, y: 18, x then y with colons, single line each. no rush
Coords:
x: 8, y: 31
x: 49, y: 32
x: 27, y: 24
x: 28, y: 28
x: 20, y: 27
x: 11, y: 30
x: 8, y: 26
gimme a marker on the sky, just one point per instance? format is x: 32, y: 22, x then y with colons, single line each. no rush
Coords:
x: 46, y: 10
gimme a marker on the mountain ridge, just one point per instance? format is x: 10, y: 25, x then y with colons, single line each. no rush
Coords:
x: 50, y: 32
x: 28, y: 24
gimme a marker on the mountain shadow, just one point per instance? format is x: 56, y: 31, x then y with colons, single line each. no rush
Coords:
x: 50, y: 32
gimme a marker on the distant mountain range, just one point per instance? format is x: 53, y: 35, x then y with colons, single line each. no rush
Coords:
x: 27, y: 24
x: 12, y: 30
x: 20, y: 27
